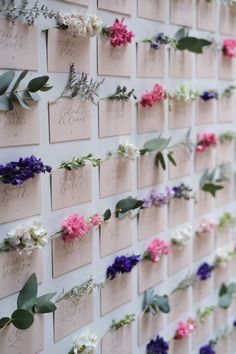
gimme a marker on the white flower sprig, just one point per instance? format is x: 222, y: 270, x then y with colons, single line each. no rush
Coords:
x: 80, y: 24
x: 84, y: 344
x: 25, y: 239
x: 184, y: 94
x: 182, y: 236
x: 126, y: 149
x: 223, y: 256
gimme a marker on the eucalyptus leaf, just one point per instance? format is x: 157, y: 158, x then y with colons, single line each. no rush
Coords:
x: 5, y: 81
x: 156, y: 144
x: 37, y: 84
x: 231, y: 288
x: 20, y: 78
x: 4, y: 321
x: 22, y: 319
x: 6, y: 104
x: 225, y: 301
x: 28, y: 294
x: 223, y: 289
x: 171, y: 159
x: 211, y: 188
x: 181, y: 33
x: 124, y: 205
x: 160, y: 159
x: 107, y: 215
x: 46, y: 88
x: 16, y: 97
x: 186, y: 43
x: 163, y: 303
x: 32, y: 96
x: 43, y: 304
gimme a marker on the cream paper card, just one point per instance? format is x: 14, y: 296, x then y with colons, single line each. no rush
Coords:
x: 150, y: 274
x: 226, y: 109
x: 201, y: 290
x: 179, y: 346
x: 15, y: 126
x: 148, y: 326
x: 205, y: 203
x: 150, y: 222
x: 70, y: 188
x: 18, y: 46
x: 202, y: 332
x: 18, y: 202
x: 148, y: 173
x: 120, y: 6
x: 152, y: 9
x: 179, y: 304
x: 178, y: 211
x: 181, y: 12
x: 206, y: 15
x: 150, y: 62
x: 206, y: 63
x: 69, y: 119
x: 226, y: 67
x: 205, y: 111
x: 63, y: 50
x: 118, y: 341
x: 116, y: 234
x: 179, y: 258
x: 183, y: 162
x: 202, y: 246
x: 205, y: 159
x: 228, y: 20
x: 115, y: 117
x: 15, y: 270
x: 180, y: 114
x: 150, y: 119
x: 181, y: 63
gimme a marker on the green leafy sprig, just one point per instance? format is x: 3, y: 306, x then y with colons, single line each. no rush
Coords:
x: 22, y: 97
x: 125, y: 205
x: 122, y: 93
x: 77, y: 292
x: 79, y: 84
x: 127, y: 320
x: 212, y: 180
x: 78, y: 162
x: 226, y: 219
x: 229, y: 91
x: 186, y: 283
x: 154, y: 303
x: 227, y: 136
x: 182, y: 41
x: 29, y: 304
x: 204, y: 313
x: 226, y: 293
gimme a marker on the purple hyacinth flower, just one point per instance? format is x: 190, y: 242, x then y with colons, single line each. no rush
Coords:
x: 157, y: 346
x: 207, y: 349
x: 204, y: 271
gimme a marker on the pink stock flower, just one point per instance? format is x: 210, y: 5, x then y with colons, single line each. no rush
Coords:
x: 74, y: 227
x: 150, y: 97
x: 157, y: 248
x: 229, y: 48
x: 205, y: 140
x: 96, y: 220
x: 184, y: 329
x: 206, y: 227
x: 119, y: 34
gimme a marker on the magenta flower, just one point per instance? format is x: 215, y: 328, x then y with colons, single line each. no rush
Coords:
x: 158, y: 94
x: 119, y: 34
x: 206, y: 140
x: 74, y: 227
x: 156, y: 249
x: 184, y: 329
x: 229, y: 48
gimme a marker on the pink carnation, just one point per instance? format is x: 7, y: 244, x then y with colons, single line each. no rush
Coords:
x: 229, y: 48
x: 150, y: 97
x: 96, y: 220
x: 205, y: 140
x: 206, y: 227
x: 184, y: 329
x: 119, y: 34
x: 74, y: 227
x: 157, y: 248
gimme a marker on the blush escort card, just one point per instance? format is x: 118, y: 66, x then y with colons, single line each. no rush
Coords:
x: 179, y: 258
x: 115, y: 177
x: 206, y: 15
x: 205, y: 203
x: 227, y: 19
x: 179, y: 303
x: 183, y: 162
x: 64, y: 49
x: 115, y: 118
x: 226, y: 107
x: 179, y: 346
x: 201, y: 290
x: 120, y: 6
x: 149, y: 325
x: 150, y: 119
x: 202, y: 246
x: 15, y: 126
x: 226, y: 68
x: 116, y: 293
x: 113, y: 61
x: 150, y: 62
x: 202, y: 332
x: 150, y: 274
x: 180, y: 114
x: 205, y: 159
x: 71, y: 255
x: 70, y: 316
x: 206, y: 63
x: 148, y: 173
x: 15, y: 270
x: 118, y: 341
x: 178, y: 211
x: 70, y: 188
x: 205, y: 111
x: 18, y: 46
x: 181, y: 63
x: 150, y: 222
x: 116, y: 234
x: 70, y: 119
x: 18, y: 202
x: 152, y: 9
x: 179, y: 10
x: 28, y: 341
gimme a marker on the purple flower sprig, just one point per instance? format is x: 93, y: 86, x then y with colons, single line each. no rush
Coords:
x: 17, y: 172
x: 122, y: 264
x: 183, y: 191
x: 158, y: 199
x: 204, y: 271
x: 208, y: 349
x: 157, y: 41
x: 157, y: 346
x: 208, y: 95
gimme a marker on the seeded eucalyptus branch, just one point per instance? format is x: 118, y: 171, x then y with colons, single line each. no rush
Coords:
x: 211, y: 181
x: 122, y: 93
x: 82, y: 161
x: 154, y: 303
x: 77, y: 292
x: 24, y: 13
x: 78, y: 84
x: 128, y: 319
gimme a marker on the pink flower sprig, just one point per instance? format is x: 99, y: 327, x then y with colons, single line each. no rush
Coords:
x: 75, y: 226
x: 149, y: 98
x: 185, y: 328
x: 156, y: 249
x: 206, y: 140
x: 118, y: 33
x: 229, y: 48
x: 206, y: 227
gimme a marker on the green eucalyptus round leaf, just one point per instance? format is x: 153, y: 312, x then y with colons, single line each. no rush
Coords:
x: 22, y: 319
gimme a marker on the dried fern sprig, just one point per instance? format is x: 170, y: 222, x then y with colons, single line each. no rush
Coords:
x: 79, y: 84
x: 77, y: 292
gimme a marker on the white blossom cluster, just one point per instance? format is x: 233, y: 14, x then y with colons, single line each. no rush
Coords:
x: 184, y: 94
x: 128, y: 150
x: 85, y: 343
x: 80, y: 24
x: 182, y: 236
x: 223, y: 256
x: 27, y: 238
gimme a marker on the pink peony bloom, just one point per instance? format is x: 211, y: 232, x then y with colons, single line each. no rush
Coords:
x: 119, y: 34
x: 74, y: 227
x: 96, y: 220
x: 184, y: 329
x: 229, y: 48
x: 205, y: 140
x: 158, y: 94
x: 157, y: 248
